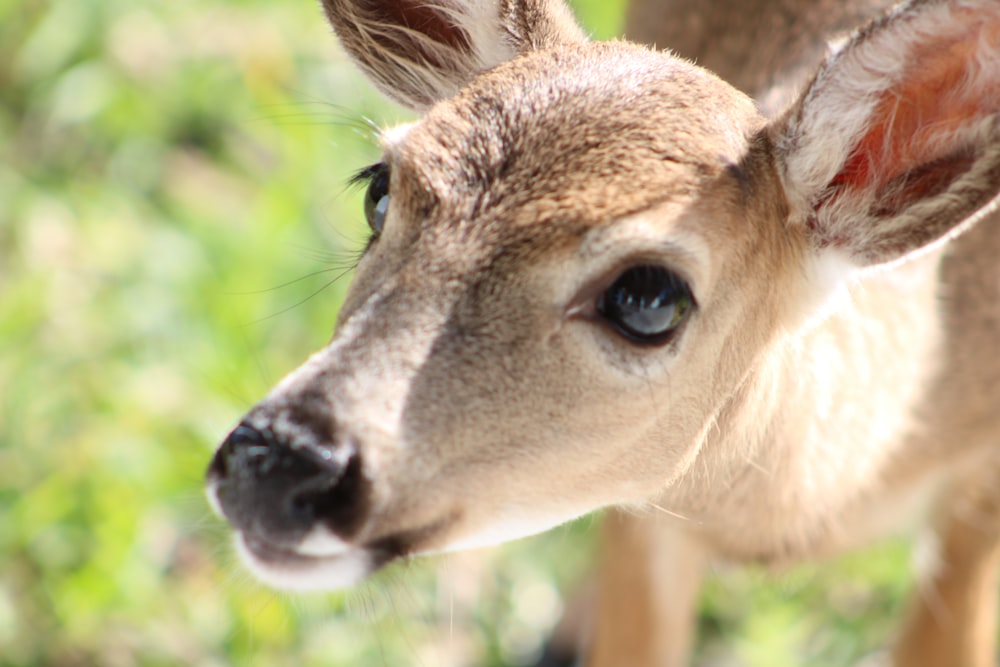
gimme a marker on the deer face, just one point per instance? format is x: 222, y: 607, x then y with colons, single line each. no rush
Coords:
x: 516, y: 349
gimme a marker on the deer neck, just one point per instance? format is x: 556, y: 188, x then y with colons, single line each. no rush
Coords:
x: 766, y: 48
x: 790, y: 476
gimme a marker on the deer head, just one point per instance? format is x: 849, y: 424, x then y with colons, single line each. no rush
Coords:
x: 579, y: 256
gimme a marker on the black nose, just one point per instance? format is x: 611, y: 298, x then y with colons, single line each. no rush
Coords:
x: 278, y: 490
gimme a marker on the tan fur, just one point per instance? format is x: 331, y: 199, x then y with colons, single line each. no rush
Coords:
x: 839, y: 366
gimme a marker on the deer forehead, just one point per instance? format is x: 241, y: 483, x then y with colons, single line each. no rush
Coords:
x: 571, y: 139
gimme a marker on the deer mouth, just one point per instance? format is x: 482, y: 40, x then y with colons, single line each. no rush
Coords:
x: 324, y: 562
x: 294, y: 569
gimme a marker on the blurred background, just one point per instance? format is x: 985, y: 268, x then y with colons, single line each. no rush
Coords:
x: 175, y: 228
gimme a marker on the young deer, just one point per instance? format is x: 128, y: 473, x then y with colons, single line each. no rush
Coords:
x: 599, y: 276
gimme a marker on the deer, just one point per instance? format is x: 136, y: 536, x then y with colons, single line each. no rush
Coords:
x: 757, y: 321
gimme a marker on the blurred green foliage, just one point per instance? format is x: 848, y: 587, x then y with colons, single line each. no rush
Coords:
x: 174, y: 225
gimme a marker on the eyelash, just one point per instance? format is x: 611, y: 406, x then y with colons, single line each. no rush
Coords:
x: 364, y: 176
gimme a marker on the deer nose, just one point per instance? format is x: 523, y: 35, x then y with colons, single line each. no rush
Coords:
x: 278, y: 490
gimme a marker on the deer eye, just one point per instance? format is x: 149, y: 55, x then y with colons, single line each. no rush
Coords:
x: 646, y: 304
x: 376, y: 196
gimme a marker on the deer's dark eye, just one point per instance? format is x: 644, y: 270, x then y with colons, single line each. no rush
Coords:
x: 377, y: 195
x: 646, y: 303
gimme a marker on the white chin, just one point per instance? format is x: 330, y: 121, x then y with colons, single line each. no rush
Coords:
x: 514, y: 526
x: 308, y: 573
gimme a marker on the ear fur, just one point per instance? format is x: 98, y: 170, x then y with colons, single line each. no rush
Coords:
x: 896, y: 143
x: 420, y: 51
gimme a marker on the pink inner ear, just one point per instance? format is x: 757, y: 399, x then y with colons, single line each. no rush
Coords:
x: 947, y: 86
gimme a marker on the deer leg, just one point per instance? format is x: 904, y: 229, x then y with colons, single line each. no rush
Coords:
x: 647, y: 591
x: 953, y: 620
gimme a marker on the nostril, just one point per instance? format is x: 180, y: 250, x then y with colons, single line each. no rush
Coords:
x: 246, y: 439
x: 243, y: 443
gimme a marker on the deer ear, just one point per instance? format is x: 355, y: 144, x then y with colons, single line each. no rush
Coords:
x: 421, y: 51
x: 896, y: 143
